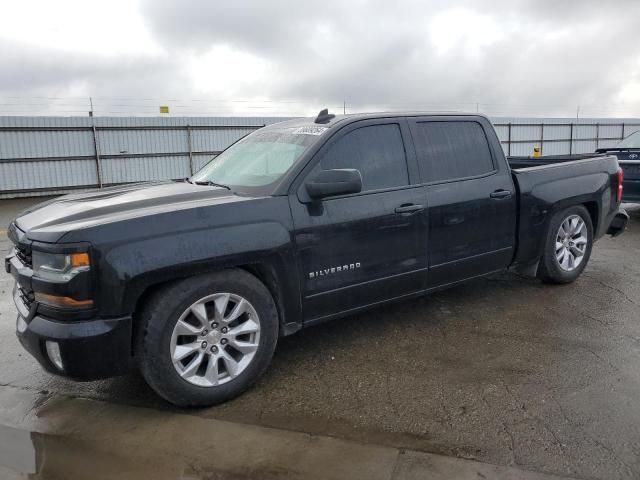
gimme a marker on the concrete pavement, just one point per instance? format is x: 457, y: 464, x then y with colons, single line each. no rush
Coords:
x: 506, y: 371
x: 51, y: 437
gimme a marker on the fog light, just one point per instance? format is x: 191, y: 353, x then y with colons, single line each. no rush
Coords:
x: 22, y: 325
x: 53, y: 351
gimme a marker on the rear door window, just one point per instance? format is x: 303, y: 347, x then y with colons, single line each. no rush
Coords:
x: 376, y: 150
x: 452, y: 150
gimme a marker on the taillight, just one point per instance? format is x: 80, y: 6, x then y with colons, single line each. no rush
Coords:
x: 620, y: 184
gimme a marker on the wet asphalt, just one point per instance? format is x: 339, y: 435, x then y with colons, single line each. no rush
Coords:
x: 503, y: 370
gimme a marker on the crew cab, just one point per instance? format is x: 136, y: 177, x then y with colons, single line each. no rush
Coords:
x: 194, y: 281
x: 628, y: 153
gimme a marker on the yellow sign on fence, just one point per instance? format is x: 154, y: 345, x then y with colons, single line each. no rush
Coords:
x: 164, y: 108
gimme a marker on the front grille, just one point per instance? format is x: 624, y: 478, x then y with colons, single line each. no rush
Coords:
x: 27, y: 297
x: 23, y: 255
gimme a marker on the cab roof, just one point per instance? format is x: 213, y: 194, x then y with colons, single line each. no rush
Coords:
x: 329, y: 120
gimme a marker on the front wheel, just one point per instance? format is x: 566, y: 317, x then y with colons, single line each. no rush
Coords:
x: 206, y: 339
x: 567, y: 246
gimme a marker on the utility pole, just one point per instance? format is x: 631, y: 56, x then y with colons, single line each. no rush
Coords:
x: 344, y: 107
x: 578, y: 113
x: 96, y: 145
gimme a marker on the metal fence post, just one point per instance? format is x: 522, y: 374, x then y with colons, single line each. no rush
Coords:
x: 509, y: 140
x: 541, y: 138
x: 570, y: 138
x: 190, y: 149
x: 597, y: 135
x: 622, y: 133
x: 97, y: 151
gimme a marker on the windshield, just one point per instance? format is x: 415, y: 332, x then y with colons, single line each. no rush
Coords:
x: 632, y: 141
x: 261, y: 158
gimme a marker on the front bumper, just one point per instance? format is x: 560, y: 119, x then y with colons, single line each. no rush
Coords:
x: 619, y: 223
x: 89, y: 347
x: 89, y: 350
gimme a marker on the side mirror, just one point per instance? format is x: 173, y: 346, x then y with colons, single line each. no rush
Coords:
x: 328, y: 183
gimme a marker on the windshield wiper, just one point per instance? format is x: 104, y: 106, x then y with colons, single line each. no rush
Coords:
x: 209, y: 183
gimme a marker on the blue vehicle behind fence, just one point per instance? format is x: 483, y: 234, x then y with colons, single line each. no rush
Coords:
x: 628, y: 153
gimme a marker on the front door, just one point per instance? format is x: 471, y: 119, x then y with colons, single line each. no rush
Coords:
x: 361, y: 249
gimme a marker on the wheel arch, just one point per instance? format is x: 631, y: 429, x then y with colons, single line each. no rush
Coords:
x: 594, y: 213
x: 274, y: 279
x: 268, y: 275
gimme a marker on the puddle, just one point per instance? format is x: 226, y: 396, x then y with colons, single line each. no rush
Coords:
x: 36, y: 456
x: 66, y: 438
x: 17, y: 451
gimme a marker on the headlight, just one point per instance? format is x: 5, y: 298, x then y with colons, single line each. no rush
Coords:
x: 60, y: 267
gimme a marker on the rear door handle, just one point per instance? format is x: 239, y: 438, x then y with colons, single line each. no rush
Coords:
x: 409, y: 209
x: 500, y: 194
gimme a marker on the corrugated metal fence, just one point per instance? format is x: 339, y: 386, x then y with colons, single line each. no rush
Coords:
x: 561, y: 136
x: 50, y: 155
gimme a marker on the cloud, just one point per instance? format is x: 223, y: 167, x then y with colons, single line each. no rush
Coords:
x: 526, y: 55
x: 36, y: 80
x: 517, y: 57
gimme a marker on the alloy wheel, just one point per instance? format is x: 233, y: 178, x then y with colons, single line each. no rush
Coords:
x: 571, y: 243
x: 215, y: 339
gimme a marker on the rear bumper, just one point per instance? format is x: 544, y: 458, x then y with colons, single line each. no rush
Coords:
x: 619, y: 223
x: 89, y: 350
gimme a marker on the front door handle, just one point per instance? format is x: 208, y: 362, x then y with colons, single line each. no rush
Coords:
x: 501, y: 194
x: 409, y: 209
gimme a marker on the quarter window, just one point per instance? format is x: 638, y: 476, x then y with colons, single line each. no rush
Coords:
x: 451, y: 150
x: 376, y: 151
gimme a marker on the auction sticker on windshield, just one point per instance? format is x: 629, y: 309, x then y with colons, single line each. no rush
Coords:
x: 309, y: 130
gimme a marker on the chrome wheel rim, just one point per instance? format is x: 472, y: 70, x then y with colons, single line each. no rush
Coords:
x: 571, y: 243
x: 215, y: 339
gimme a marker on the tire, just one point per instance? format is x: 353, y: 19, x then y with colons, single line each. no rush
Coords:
x: 556, y: 267
x: 170, y: 327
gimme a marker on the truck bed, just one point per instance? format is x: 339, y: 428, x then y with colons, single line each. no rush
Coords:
x: 547, y: 183
x: 528, y: 162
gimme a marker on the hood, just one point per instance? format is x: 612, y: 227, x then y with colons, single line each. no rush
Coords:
x: 83, y: 210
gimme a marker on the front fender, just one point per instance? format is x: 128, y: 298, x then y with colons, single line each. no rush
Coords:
x: 129, y: 269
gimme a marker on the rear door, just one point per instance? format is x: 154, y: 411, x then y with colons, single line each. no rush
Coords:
x: 361, y: 249
x: 471, y: 198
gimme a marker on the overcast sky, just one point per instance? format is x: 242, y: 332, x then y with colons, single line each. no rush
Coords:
x: 291, y: 57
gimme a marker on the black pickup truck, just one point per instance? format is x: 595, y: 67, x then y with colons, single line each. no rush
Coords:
x: 628, y: 153
x: 194, y: 281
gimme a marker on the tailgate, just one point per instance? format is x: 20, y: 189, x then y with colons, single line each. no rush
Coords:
x: 630, y: 163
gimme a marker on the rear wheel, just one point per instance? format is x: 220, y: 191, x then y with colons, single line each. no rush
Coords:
x: 567, y: 246
x: 206, y: 339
